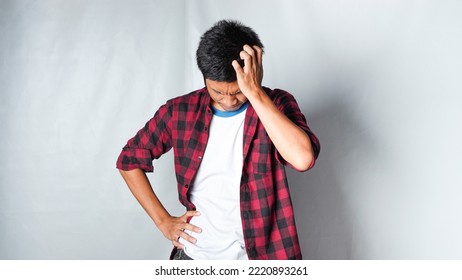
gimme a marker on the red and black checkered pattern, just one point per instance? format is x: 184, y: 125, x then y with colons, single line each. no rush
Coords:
x: 266, y: 208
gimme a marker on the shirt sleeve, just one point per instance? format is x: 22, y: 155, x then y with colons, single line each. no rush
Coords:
x: 287, y: 104
x: 149, y: 143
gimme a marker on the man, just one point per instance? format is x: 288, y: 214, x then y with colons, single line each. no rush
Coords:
x: 231, y: 140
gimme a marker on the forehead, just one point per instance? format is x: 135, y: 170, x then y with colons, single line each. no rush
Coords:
x: 222, y: 87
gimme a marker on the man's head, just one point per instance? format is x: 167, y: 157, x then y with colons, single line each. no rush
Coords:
x: 220, y: 45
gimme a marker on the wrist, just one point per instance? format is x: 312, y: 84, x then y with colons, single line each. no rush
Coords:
x: 162, y: 221
x: 255, y: 94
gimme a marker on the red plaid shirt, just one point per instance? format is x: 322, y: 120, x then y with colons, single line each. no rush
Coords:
x: 266, y: 208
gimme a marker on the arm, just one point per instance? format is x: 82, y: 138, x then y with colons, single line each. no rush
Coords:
x: 171, y: 227
x: 292, y: 143
x: 149, y: 143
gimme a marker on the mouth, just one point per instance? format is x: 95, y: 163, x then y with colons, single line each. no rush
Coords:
x: 233, y: 108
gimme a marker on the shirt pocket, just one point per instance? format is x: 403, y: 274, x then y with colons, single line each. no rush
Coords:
x: 261, y: 156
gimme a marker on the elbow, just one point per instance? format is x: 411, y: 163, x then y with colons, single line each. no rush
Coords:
x: 306, y: 158
x: 304, y: 163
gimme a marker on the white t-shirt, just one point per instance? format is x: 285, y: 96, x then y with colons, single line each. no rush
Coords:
x: 216, y: 192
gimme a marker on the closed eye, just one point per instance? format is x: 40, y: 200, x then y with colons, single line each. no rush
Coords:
x: 231, y: 94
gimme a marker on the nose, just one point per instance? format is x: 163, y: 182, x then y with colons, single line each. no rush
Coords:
x: 230, y: 101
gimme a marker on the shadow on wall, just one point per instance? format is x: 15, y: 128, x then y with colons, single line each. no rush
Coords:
x: 320, y: 196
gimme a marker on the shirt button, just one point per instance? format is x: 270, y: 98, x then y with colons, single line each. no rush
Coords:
x: 186, y: 186
x: 205, y: 128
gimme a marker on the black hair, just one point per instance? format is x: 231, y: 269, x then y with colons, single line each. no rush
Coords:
x: 220, y: 45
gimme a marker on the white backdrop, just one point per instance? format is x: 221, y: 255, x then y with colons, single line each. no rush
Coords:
x: 379, y: 81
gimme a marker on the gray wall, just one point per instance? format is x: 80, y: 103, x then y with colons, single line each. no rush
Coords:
x: 379, y: 81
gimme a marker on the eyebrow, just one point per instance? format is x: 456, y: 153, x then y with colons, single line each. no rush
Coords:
x: 219, y: 92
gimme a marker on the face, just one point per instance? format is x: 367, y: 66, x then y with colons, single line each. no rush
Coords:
x: 225, y: 96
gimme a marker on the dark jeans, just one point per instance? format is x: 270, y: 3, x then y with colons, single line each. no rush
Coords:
x: 180, y: 255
